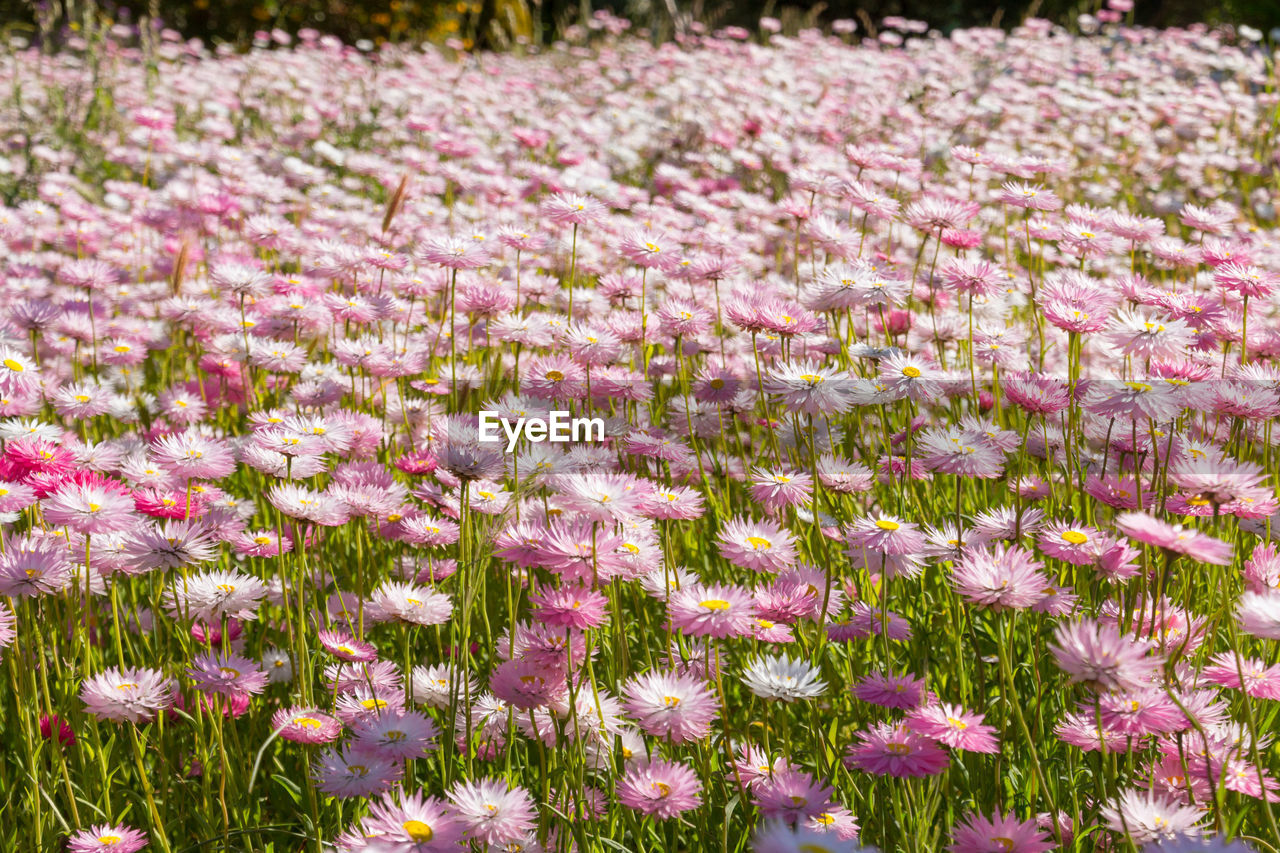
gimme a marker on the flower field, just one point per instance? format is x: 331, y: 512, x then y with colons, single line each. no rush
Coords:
x: 933, y: 506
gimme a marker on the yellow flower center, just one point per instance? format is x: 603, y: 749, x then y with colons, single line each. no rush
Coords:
x: 911, y: 372
x: 886, y: 524
x: 1074, y: 537
x: 14, y: 365
x: 758, y: 543
x: 109, y: 840
x: 306, y: 722
x: 371, y: 704
x: 897, y: 748
x: 715, y: 604
x: 555, y: 375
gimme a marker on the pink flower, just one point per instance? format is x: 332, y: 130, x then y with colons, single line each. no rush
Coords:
x: 791, y: 795
x: 894, y: 750
x: 1002, y: 577
x: 890, y: 691
x: 954, y: 727
x: 107, y: 838
x: 1096, y: 654
x: 998, y: 834
x: 676, y: 707
x: 661, y: 789
x: 571, y: 606
x: 763, y: 546
x: 306, y: 725
x: 1175, y: 538
x: 712, y: 611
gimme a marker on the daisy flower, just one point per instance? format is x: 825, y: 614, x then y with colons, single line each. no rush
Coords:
x: 783, y: 678
x: 808, y: 388
x: 33, y: 566
x: 716, y: 610
x: 759, y: 545
x: 191, y: 456
x: 791, y: 795
x: 1096, y: 654
x: 306, y: 725
x: 677, y: 707
x: 393, y: 601
x: 954, y: 727
x: 571, y: 606
x: 660, y: 789
x: 886, y: 534
x: 894, y: 750
x: 998, y: 834
x: 905, y: 375
x: 1175, y: 538
x: 493, y: 813
x: 347, y: 772
x: 777, y: 489
x: 1145, y: 816
x: 107, y: 838
x: 89, y: 508
x: 127, y: 695
x: 395, y: 736
x: 781, y: 836
x: 227, y: 674
x: 345, y: 647
x: 1000, y: 577
x: 411, y: 823
x: 211, y: 596
x: 890, y: 691
x: 1258, y: 614
x: 1077, y: 544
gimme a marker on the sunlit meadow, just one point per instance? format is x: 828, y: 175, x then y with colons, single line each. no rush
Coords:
x: 939, y: 378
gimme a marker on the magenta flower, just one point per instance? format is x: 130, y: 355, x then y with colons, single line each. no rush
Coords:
x: 893, y: 750
x: 571, y: 606
x: 998, y: 834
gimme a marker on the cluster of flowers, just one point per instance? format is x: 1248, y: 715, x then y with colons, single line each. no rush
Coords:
x: 935, y: 507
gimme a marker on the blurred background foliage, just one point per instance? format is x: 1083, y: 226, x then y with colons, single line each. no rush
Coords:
x: 508, y: 24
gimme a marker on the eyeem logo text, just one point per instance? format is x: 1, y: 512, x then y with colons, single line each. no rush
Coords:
x: 558, y: 426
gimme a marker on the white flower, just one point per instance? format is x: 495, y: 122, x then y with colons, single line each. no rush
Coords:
x: 783, y: 678
x: 278, y: 666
